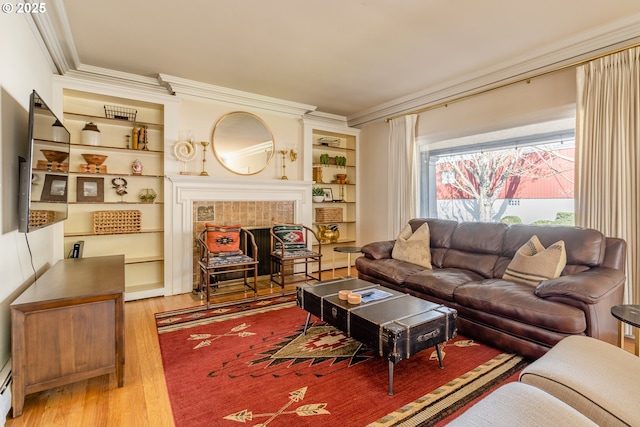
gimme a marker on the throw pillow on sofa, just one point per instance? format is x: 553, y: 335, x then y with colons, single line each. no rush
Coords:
x: 413, y: 247
x: 534, y: 263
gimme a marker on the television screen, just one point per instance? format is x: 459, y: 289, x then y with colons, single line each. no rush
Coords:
x: 44, y: 174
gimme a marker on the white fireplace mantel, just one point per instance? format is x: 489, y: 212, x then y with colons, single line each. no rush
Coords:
x: 181, y: 191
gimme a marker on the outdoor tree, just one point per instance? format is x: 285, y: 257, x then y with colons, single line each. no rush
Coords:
x: 487, y: 176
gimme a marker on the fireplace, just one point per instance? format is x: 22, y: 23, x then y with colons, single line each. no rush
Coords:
x: 256, y: 216
x: 256, y: 204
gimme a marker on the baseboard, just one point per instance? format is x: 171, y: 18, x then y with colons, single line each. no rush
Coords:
x: 5, y: 392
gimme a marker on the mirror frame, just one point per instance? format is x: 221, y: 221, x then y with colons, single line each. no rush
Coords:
x: 266, y: 127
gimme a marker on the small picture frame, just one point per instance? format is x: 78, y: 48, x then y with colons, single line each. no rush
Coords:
x: 89, y: 189
x: 328, y: 195
x: 55, y: 188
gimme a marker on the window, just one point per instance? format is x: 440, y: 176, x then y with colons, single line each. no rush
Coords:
x: 522, y: 175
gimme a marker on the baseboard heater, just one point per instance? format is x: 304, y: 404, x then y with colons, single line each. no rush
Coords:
x: 5, y: 392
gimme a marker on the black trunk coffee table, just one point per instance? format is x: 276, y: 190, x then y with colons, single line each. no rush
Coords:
x: 395, y: 324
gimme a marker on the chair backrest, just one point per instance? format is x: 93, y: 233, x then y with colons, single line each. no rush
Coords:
x: 292, y: 236
x: 223, y: 239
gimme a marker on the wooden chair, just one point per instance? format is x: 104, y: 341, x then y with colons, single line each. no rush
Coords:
x: 218, y: 267
x: 289, y: 249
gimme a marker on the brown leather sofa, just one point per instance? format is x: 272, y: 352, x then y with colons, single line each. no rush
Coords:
x: 468, y: 261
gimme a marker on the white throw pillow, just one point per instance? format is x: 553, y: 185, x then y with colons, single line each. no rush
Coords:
x: 532, y: 263
x: 413, y: 247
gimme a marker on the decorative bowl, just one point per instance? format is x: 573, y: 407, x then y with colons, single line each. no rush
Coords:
x: 94, y: 159
x: 341, y: 178
x: 55, y: 156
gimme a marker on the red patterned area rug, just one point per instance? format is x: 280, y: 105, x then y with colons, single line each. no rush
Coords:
x: 250, y: 364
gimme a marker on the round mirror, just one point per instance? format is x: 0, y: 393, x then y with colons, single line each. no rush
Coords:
x: 242, y: 143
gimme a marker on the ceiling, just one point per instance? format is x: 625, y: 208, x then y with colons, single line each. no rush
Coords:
x: 354, y: 58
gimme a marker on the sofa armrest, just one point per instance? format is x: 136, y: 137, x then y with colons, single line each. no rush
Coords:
x: 378, y: 250
x: 588, y: 286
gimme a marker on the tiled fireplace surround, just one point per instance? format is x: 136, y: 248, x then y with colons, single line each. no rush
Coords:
x: 249, y: 214
x: 244, y: 200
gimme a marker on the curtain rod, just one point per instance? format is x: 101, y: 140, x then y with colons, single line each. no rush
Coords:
x: 525, y: 79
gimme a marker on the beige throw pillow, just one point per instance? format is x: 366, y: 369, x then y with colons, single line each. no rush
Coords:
x: 533, y: 263
x: 413, y: 247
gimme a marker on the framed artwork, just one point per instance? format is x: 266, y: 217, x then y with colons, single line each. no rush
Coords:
x: 90, y: 189
x: 328, y: 195
x: 55, y: 188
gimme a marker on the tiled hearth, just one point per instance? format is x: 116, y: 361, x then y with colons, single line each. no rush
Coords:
x: 254, y: 203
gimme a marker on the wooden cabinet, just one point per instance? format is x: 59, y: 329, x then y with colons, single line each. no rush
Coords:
x: 68, y: 326
x: 92, y: 189
x: 334, y: 154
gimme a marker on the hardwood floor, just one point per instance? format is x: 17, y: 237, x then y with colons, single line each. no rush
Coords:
x: 143, y: 401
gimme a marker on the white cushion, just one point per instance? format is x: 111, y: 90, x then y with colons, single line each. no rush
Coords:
x: 534, y: 263
x: 413, y: 247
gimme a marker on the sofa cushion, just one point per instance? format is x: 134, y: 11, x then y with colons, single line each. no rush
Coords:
x: 518, y: 301
x: 534, y: 263
x: 475, y: 246
x: 440, y: 282
x: 413, y: 246
x: 583, y: 246
x: 390, y: 270
x: 440, y: 231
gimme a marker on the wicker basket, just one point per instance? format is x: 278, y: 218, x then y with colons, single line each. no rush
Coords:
x: 116, y: 222
x: 120, y: 113
x: 38, y: 218
x: 328, y: 214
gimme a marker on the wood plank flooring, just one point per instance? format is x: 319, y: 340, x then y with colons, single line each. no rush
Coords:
x: 143, y: 401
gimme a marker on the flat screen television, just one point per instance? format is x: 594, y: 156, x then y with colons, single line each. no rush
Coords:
x: 44, y: 174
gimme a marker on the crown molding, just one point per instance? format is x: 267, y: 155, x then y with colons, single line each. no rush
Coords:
x: 567, y: 51
x: 54, y: 35
x: 318, y: 117
x: 184, y: 87
x: 109, y: 85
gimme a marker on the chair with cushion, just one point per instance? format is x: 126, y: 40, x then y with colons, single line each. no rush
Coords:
x: 522, y: 405
x: 596, y: 378
x: 226, y: 253
x: 289, y: 249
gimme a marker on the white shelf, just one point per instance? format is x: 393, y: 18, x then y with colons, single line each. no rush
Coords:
x: 144, y: 260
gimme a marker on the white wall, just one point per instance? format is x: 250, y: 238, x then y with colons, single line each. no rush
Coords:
x: 24, y: 68
x: 545, y: 98
x: 201, y: 117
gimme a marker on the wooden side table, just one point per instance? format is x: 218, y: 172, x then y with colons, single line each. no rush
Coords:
x: 629, y: 314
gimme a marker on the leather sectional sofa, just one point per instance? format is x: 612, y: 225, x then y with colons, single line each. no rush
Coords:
x: 468, y: 261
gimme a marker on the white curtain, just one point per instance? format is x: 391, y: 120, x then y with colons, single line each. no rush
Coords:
x: 402, y: 184
x: 608, y: 154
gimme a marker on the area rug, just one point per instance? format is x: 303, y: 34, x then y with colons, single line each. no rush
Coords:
x: 253, y: 366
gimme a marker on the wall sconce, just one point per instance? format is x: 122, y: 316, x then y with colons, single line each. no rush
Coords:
x: 293, y: 156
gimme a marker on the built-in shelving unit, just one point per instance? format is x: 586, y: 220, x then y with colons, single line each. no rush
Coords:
x: 143, y: 249
x: 341, y: 143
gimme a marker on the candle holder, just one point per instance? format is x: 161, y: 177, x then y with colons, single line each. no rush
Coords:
x: 204, y: 157
x: 284, y: 153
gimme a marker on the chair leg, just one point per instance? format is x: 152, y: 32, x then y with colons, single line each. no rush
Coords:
x: 271, y: 273
x: 255, y: 280
x: 282, y: 275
